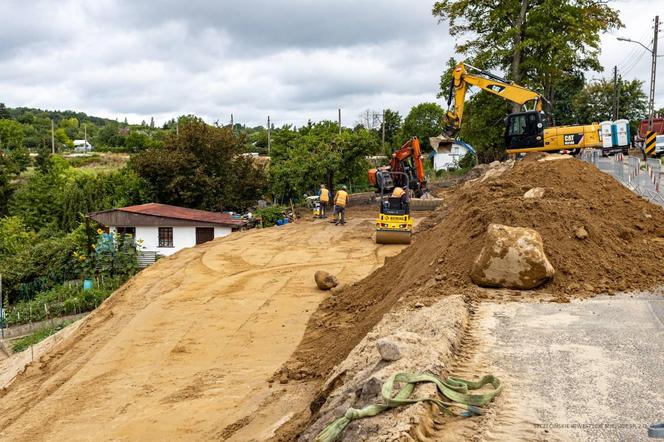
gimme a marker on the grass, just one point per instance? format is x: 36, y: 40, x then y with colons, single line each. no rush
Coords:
x: 99, y: 161
x: 37, y: 336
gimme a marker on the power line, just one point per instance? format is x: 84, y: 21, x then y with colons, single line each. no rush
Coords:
x: 635, y: 63
x: 631, y: 55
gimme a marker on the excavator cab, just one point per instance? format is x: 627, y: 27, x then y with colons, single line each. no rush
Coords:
x: 525, y: 130
x: 394, y: 224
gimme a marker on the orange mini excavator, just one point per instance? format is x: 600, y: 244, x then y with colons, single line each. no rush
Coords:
x: 406, y: 169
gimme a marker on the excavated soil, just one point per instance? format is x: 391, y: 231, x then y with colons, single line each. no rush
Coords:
x: 623, y: 251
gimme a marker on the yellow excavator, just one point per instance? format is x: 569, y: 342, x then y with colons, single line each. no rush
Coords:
x: 525, y: 131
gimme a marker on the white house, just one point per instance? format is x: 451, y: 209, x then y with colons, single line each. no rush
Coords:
x: 82, y: 146
x: 163, y: 229
x: 447, y: 155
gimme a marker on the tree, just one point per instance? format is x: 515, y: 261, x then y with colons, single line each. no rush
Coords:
x: 202, y: 167
x: 43, y: 160
x: 483, y: 126
x: 137, y: 140
x: 392, y: 122
x: 370, y: 119
x: 4, y: 113
x: 317, y: 153
x: 538, y: 42
x: 11, y: 134
x: 62, y: 137
x: 7, y: 171
x: 151, y: 122
x: 424, y: 120
x: 595, y: 101
x: 109, y: 136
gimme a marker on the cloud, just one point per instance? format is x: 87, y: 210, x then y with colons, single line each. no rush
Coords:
x: 293, y: 60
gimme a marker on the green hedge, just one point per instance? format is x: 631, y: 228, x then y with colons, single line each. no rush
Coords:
x: 62, y: 300
x: 37, y: 336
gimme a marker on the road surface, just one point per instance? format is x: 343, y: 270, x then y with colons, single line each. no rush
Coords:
x: 588, y: 370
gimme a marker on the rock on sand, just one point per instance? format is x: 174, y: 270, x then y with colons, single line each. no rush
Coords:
x: 512, y: 257
x: 325, y: 281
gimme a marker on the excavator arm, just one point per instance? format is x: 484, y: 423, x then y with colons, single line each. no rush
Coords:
x: 407, y: 161
x: 410, y: 149
x: 462, y: 79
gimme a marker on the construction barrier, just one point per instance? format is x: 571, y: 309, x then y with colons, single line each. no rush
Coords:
x: 654, y: 167
x: 651, y: 143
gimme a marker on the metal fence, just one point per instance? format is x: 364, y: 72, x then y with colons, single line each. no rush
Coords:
x: 643, y: 178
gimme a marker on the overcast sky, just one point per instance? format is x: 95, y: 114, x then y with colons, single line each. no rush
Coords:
x: 292, y: 59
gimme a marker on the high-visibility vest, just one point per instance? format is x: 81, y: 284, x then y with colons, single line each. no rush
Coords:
x: 341, y: 198
x: 324, y: 195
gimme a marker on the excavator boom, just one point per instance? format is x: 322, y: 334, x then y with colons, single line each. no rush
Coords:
x: 462, y: 80
x: 526, y: 131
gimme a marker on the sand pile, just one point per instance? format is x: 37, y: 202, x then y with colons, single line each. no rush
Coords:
x: 623, y: 250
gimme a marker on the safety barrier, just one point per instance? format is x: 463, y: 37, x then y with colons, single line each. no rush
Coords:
x: 654, y: 168
x: 644, y: 182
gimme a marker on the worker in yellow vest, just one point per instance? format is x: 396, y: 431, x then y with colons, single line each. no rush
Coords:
x: 340, y: 201
x: 324, y: 200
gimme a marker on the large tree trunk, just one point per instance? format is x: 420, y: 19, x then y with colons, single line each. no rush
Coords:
x: 516, y: 58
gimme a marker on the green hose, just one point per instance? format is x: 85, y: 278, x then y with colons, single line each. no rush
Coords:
x: 454, y: 389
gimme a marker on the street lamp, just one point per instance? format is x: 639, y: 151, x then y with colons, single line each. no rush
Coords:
x: 653, y: 69
x: 638, y: 43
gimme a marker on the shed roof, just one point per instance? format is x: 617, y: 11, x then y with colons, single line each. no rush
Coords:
x: 180, y: 213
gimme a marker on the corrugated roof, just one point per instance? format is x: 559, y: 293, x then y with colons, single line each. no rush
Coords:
x: 166, y: 211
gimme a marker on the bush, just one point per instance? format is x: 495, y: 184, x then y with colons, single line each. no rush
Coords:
x: 61, y: 300
x: 270, y: 215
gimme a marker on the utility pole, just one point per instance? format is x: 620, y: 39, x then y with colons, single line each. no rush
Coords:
x: 618, y: 96
x: 651, y: 104
x: 383, y: 136
x: 339, y: 121
x: 85, y: 136
x: 52, y: 138
x: 653, y: 69
x: 269, y: 138
x: 615, y: 94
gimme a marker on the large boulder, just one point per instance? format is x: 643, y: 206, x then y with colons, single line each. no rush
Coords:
x: 512, y: 257
x: 325, y: 281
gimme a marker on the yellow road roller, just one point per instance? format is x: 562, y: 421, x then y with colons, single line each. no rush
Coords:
x: 394, y: 224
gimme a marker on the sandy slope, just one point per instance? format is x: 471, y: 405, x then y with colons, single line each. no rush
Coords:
x: 184, y: 350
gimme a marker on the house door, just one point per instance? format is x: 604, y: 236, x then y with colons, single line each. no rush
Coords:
x: 204, y: 234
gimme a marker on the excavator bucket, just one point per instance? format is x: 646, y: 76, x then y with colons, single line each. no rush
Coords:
x: 393, y: 236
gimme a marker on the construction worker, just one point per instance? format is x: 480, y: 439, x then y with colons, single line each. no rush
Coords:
x: 400, y: 193
x: 324, y: 200
x: 340, y: 201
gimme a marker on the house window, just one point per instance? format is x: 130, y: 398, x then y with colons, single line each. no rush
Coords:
x: 165, y: 236
x: 127, y: 231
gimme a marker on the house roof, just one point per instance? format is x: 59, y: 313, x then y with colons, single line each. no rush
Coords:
x: 181, y: 213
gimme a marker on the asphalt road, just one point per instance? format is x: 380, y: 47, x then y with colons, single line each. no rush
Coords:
x: 642, y: 183
x: 587, y: 370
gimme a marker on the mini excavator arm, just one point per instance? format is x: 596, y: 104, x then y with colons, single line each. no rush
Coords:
x: 410, y: 149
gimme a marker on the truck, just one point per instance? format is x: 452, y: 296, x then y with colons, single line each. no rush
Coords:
x: 657, y: 126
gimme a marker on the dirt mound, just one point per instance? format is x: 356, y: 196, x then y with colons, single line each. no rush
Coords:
x: 624, y: 250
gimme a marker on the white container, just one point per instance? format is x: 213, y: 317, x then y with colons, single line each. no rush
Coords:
x: 621, y: 133
x: 605, y: 133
